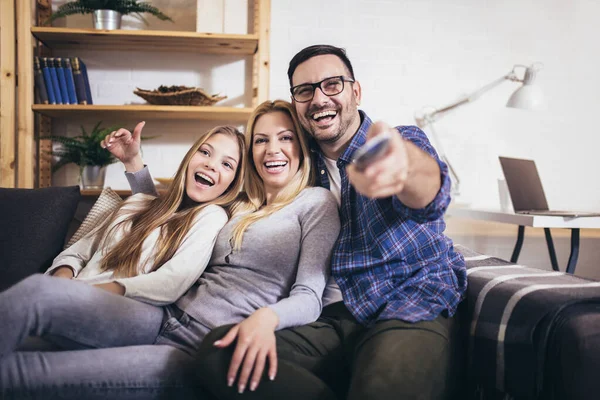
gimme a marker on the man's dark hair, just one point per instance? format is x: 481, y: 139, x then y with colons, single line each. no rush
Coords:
x: 319, y: 50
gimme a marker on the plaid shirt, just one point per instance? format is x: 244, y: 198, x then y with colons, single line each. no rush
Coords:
x: 391, y: 261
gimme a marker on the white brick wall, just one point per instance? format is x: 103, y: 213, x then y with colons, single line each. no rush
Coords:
x: 414, y: 53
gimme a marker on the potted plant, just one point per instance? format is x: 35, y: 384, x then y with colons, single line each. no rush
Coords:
x: 107, y: 13
x: 84, y: 150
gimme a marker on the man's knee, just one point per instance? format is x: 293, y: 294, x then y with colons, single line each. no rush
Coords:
x: 210, y: 359
x: 401, y: 360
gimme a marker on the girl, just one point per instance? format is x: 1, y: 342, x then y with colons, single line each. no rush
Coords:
x: 153, y: 249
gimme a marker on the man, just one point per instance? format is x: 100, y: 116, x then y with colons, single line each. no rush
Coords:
x: 400, y: 277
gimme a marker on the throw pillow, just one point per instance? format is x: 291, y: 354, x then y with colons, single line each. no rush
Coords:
x: 33, y: 225
x: 107, y: 202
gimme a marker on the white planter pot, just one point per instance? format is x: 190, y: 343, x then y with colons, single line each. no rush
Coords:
x: 106, y: 19
x: 92, y: 177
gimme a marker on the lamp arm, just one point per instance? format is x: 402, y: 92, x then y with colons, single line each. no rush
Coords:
x: 428, y: 118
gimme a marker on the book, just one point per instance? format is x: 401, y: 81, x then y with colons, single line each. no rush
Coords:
x: 47, y: 80
x: 82, y: 84
x: 70, y: 83
x: 62, y: 82
x: 88, y: 91
x: 40, y: 85
x: 54, y: 80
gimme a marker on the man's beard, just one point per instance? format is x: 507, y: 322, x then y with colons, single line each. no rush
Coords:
x: 341, y: 131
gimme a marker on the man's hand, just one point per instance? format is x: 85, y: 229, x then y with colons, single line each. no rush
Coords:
x: 405, y: 171
x: 125, y: 146
x: 255, y: 343
x: 387, y: 176
x: 112, y: 287
x: 63, y: 272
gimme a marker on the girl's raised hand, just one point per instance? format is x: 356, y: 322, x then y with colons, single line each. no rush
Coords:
x: 125, y: 146
x: 255, y: 344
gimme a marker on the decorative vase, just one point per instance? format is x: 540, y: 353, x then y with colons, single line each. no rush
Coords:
x: 92, y: 177
x: 107, y: 19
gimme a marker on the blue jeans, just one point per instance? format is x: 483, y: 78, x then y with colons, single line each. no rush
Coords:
x: 123, y: 348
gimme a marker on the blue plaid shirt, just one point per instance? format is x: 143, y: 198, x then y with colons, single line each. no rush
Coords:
x: 392, y: 261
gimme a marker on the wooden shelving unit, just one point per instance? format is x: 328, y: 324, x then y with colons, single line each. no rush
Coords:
x: 209, y: 43
x: 30, y: 170
x: 144, y: 112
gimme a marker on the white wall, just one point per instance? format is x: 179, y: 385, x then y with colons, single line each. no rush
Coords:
x: 413, y: 53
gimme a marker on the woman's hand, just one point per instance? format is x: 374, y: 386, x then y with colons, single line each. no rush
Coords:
x: 112, y: 287
x: 125, y: 146
x: 255, y: 343
x: 63, y: 272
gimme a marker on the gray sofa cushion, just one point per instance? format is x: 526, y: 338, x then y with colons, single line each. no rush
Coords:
x: 33, y: 225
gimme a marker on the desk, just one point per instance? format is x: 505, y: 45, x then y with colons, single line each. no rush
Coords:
x: 536, y: 221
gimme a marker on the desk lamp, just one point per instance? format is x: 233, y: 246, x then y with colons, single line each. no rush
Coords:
x: 527, y: 96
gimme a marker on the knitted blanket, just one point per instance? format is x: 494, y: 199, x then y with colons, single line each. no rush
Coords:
x: 511, y: 311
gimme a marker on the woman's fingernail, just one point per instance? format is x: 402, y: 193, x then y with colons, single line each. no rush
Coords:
x: 253, y: 386
x: 241, y: 389
x: 218, y: 342
x: 272, y: 377
x: 230, y: 382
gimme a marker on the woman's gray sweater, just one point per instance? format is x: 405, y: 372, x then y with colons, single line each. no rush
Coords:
x: 283, y: 263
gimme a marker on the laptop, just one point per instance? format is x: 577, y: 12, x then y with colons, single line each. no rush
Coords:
x: 526, y: 191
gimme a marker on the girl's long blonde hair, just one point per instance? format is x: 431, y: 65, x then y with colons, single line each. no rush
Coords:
x: 254, y: 200
x: 171, y: 213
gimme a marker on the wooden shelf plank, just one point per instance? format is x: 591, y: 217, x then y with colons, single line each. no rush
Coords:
x: 139, y: 112
x: 126, y: 40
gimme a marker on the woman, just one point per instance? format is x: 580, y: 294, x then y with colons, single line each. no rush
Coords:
x: 268, y: 271
x: 170, y: 246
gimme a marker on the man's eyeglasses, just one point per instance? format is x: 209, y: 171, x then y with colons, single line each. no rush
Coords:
x: 329, y: 86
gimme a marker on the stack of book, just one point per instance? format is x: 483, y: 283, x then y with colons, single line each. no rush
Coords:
x: 61, y: 81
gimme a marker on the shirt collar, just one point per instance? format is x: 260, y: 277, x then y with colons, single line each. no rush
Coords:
x: 359, y: 138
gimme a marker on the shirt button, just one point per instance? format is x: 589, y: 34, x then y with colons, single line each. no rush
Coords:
x: 322, y: 172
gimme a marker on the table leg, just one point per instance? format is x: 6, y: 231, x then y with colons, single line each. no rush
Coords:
x: 520, y: 236
x: 574, y: 251
x: 550, y: 244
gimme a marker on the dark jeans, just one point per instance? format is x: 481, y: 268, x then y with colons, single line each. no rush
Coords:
x: 336, y: 358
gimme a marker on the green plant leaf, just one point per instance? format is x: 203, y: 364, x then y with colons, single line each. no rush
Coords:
x: 122, y: 6
x: 84, y: 149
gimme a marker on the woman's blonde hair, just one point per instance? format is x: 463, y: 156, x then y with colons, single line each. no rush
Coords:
x: 172, y: 213
x: 254, y: 200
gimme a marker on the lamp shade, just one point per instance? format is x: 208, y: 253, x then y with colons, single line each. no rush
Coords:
x: 529, y: 96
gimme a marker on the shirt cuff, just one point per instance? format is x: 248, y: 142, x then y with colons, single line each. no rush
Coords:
x: 438, y: 205
x: 53, y: 268
x: 141, y: 181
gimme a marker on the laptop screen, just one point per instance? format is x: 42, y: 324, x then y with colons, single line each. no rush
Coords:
x: 524, y: 184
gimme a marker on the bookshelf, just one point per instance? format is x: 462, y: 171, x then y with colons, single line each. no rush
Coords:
x: 36, y: 119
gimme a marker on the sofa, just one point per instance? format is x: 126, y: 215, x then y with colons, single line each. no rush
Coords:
x: 525, y: 333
